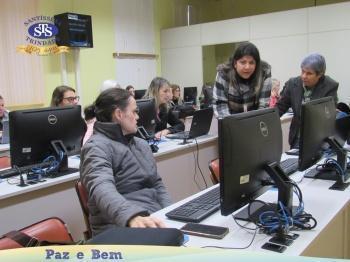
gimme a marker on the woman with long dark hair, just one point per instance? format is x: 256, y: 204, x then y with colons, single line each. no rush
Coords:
x: 242, y: 84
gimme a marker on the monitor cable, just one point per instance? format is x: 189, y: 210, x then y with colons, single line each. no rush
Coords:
x: 196, y: 160
x: 273, y: 222
x: 244, y: 247
x: 200, y: 170
x: 195, y: 172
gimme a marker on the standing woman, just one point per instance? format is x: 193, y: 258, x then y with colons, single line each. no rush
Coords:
x: 160, y: 90
x: 243, y: 84
x: 118, y: 169
x: 64, y: 96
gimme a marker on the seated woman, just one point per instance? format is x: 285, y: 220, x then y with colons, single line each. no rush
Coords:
x: 275, y: 92
x: 343, y: 110
x: 118, y: 169
x: 177, y: 100
x: 64, y: 96
x: 4, y: 115
x: 206, y: 96
x: 131, y: 90
x: 159, y: 89
x: 90, y: 119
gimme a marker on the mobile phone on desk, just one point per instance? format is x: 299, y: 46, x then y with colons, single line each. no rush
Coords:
x: 274, y: 247
x: 202, y: 230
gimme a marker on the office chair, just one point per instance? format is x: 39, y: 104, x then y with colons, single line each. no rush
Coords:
x: 5, y: 162
x: 214, y: 171
x: 52, y: 229
x: 83, y: 199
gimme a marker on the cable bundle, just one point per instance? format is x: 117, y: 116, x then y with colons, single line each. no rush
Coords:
x: 331, y: 165
x: 272, y: 221
x: 53, y: 165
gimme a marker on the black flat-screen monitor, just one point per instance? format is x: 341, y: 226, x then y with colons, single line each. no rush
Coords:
x: 317, y: 124
x: 139, y: 93
x: 190, y: 95
x: 250, y: 148
x: 317, y: 133
x: 32, y: 132
x: 147, y: 118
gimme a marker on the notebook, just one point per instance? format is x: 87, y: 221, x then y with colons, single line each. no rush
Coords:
x: 5, y: 139
x: 200, y: 125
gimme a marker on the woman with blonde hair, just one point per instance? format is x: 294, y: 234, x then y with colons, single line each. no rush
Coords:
x: 160, y: 91
x: 177, y: 100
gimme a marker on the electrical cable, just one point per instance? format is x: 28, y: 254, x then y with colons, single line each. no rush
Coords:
x: 200, y: 170
x: 195, y: 172
x: 245, y: 247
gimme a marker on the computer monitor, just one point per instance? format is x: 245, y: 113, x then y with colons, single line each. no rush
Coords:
x: 147, y: 118
x: 250, y: 149
x: 317, y: 134
x: 190, y: 95
x: 317, y: 124
x: 36, y: 134
x: 139, y: 93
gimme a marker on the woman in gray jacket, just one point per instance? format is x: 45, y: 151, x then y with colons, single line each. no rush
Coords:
x: 118, y: 169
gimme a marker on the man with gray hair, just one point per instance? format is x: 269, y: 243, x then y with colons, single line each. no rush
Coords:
x: 311, y: 84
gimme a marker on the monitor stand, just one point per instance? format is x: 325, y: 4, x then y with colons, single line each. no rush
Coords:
x: 63, y: 168
x: 325, y: 174
x: 285, y: 196
x: 185, y: 141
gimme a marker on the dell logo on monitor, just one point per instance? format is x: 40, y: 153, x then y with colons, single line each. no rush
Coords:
x: 52, y: 119
x: 327, y: 112
x: 263, y: 129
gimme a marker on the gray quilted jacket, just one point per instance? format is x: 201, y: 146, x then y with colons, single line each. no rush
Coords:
x: 120, y: 174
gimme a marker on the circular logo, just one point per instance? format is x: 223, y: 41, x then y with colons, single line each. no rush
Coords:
x: 43, y: 30
x: 52, y: 119
x: 263, y: 129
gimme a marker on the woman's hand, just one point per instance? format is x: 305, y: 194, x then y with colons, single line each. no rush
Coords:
x: 149, y: 221
x: 159, y: 134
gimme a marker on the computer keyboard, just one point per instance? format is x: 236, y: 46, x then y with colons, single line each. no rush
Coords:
x: 289, y: 166
x: 198, y: 208
x: 10, y: 172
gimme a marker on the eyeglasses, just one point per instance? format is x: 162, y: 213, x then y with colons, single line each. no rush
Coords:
x: 71, y: 99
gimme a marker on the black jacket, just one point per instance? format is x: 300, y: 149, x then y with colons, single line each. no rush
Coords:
x: 292, y: 96
x: 168, y: 117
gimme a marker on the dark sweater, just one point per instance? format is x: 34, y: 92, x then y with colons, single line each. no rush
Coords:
x: 292, y: 96
x: 168, y: 117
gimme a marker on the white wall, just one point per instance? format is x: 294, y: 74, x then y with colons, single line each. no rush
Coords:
x: 134, y: 33
x: 283, y: 39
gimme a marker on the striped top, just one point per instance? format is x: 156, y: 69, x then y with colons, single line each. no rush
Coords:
x: 233, y: 94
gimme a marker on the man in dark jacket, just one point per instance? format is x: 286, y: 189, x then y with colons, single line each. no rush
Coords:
x: 311, y: 84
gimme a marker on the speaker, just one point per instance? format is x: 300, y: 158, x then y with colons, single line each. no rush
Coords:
x: 74, y: 30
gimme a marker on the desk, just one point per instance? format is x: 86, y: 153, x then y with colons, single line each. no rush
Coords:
x: 20, y: 207
x: 177, y: 165
x: 329, y: 239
